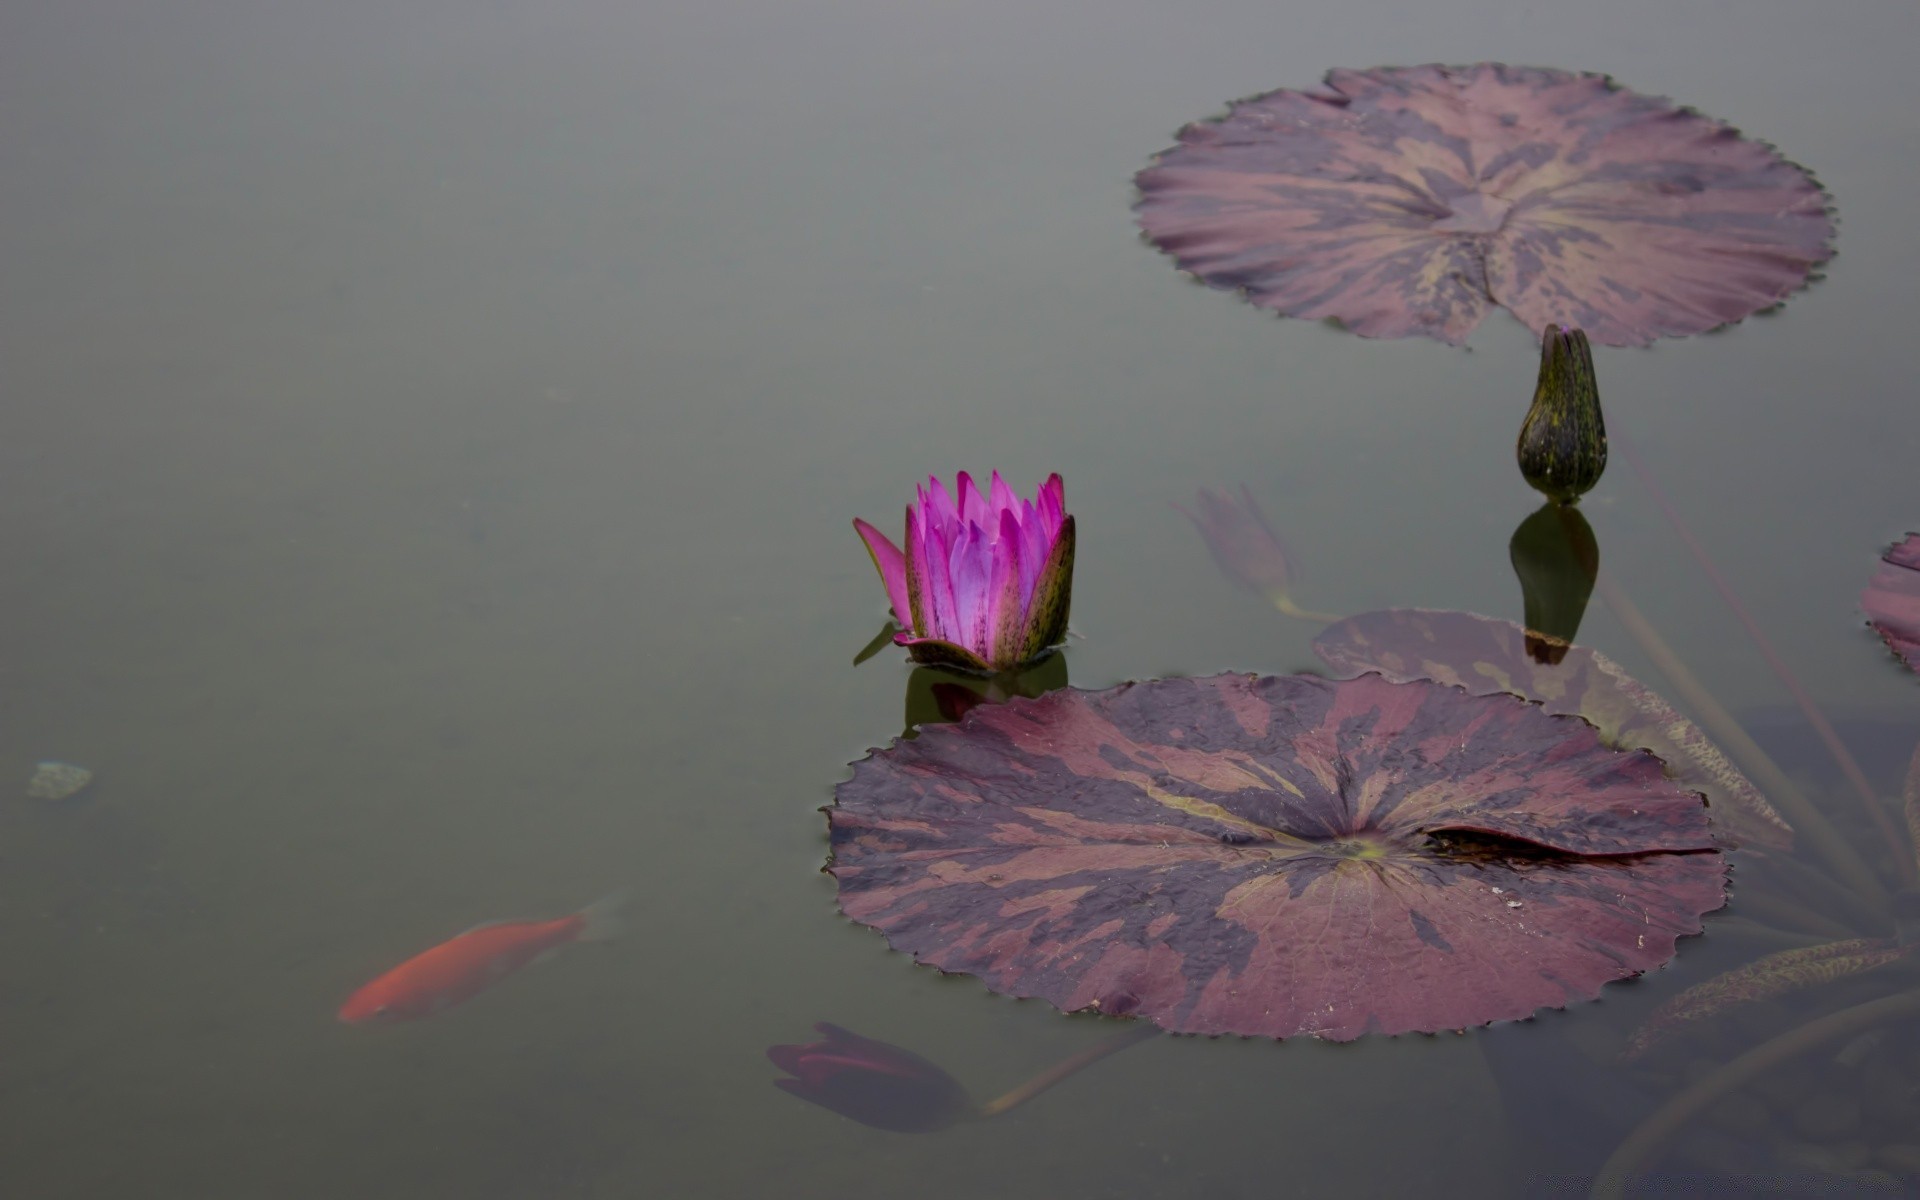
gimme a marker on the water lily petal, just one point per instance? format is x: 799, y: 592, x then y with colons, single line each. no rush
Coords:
x: 936, y: 506
x: 917, y: 574
x: 1006, y: 601
x: 972, y: 571
x: 939, y: 618
x: 972, y: 506
x: 1052, y: 596
x: 892, y: 565
x: 1052, y: 502
x: 1001, y: 497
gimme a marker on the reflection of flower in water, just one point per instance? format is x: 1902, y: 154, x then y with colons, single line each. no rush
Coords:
x: 985, y: 579
x: 876, y: 1083
x: 941, y: 695
x: 1246, y: 548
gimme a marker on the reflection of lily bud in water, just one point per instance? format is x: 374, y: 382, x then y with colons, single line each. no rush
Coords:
x: 876, y: 1083
x: 1556, y: 557
x: 1563, y: 441
x: 938, y: 695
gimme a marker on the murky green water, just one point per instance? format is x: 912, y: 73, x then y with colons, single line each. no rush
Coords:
x: 431, y: 436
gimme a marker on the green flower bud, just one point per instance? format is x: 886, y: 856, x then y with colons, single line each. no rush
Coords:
x: 1563, y: 441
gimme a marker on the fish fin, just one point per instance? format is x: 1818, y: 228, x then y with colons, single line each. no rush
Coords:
x: 602, y: 920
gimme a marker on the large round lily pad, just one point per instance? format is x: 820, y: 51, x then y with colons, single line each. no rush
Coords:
x: 1892, y: 600
x: 1276, y: 856
x: 1410, y: 200
x: 1486, y: 655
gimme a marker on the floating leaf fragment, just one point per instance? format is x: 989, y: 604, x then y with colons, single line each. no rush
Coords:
x: 1892, y: 600
x: 1276, y: 856
x: 57, y: 781
x: 1487, y: 656
x: 1411, y: 200
x: 1763, y: 979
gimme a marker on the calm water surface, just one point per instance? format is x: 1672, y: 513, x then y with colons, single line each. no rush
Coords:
x: 430, y: 438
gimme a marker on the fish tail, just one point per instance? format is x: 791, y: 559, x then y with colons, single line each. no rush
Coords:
x: 603, y: 920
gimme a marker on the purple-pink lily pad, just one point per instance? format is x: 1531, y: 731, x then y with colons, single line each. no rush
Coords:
x: 1489, y: 656
x: 1892, y: 600
x: 1410, y: 200
x: 1274, y: 856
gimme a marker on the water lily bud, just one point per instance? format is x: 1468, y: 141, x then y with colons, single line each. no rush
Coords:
x: 873, y: 1082
x: 986, y: 578
x: 1563, y: 441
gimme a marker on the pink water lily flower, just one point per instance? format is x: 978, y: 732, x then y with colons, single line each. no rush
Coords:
x: 985, y: 579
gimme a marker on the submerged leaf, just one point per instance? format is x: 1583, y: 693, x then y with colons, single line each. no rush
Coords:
x: 1892, y: 600
x: 876, y: 1083
x: 1276, y: 856
x: 1409, y: 200
x: 1487, y: 656
x: 1763, y: 979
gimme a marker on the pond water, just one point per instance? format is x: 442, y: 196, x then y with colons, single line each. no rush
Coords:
x: 431, y: 438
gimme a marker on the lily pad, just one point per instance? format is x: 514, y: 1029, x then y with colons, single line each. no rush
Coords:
x: 1411, y: 200
x: 1488, y: 656
x: 1276, y: 856
x: 1892, y: 600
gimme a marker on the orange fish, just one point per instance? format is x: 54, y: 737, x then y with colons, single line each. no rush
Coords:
x: 467, y: 964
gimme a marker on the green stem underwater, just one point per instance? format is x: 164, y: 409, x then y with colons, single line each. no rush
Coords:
x: 1639, y: 1147
x: 1289, y: 608
x: 1069, y: 1067
x: 1849, y: 766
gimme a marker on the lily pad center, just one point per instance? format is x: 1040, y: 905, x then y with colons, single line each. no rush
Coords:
x: 1474, y: 212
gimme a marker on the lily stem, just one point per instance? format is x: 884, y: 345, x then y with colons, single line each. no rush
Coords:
x: 1849, y: 766
x: 1799, y: 811
x: 1286, y: 605
x: 1066, y: 1068
x: 1647, y: 1137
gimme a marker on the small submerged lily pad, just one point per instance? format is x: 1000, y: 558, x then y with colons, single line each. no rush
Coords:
x: 1411, y: 200
x: 1892, y: 600
x: 57, y: 781
x: 1276, y: 856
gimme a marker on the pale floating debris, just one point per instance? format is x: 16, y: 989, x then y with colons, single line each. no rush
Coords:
x: 57, y: 781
